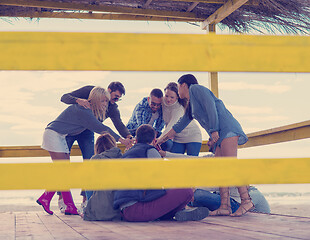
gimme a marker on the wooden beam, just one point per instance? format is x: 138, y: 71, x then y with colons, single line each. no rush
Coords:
x: 147, y: 3
x: 223, y: 12
x: 249, y: 2
x: 191, y: 7
x: 97, y: 16
x: 96, y: 8
x: 153, y: 52
x: 153, y: 173
x: 214, y: 83
x: 213, y: 76
x: 291, y: 132
x: 286, y: 133
x: 37, y: 151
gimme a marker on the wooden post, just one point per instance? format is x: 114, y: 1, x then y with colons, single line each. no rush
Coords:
x: 213, y: 76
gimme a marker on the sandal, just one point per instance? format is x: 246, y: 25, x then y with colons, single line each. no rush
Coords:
x: 246, y: 203
x: 221, y: 212
x: 243, y: 209
x: 224, y: 209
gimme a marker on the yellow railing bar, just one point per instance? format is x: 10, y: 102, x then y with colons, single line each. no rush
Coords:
x: 151, y: 173
x: 153, y: 52
x: 292, y: 132
x: 286, y: 133
x: 37, y: 151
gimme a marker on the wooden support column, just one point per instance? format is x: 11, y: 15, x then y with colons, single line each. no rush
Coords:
x: 213, y: 76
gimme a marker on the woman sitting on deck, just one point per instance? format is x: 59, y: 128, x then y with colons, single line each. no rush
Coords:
x: 100, y: 203
x: 74, y: 120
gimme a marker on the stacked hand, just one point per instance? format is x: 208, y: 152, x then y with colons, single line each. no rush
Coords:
x: 128, y: 142
x: 162, y: 153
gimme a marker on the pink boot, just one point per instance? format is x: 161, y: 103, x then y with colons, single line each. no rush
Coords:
x: 71, y: 209
x: 45, y: 200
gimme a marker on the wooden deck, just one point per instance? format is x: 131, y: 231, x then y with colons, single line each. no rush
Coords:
x: 39, y: 225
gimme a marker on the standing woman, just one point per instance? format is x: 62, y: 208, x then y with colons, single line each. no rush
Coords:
x: 72, y: 121
x: 224, y: 130
x: 189, y: 139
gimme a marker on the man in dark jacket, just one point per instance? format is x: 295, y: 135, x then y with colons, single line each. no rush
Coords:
x: 80, y: 96
x: 149, y: 205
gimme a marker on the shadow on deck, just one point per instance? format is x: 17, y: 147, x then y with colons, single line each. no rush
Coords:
x: 39, y: 225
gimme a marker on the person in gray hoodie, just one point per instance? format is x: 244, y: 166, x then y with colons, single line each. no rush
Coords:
x: 100, y: 203
x: 105, y: 147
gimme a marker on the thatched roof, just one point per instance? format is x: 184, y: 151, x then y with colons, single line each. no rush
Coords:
x: 284, y: 16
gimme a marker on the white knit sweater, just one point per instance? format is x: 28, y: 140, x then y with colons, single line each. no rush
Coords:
x: 171, y: 114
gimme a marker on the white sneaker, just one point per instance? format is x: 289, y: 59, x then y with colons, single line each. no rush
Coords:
x: 83, y: 205
x: 62, y: 206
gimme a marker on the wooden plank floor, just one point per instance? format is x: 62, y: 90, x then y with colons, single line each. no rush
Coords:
x: 39, y: 225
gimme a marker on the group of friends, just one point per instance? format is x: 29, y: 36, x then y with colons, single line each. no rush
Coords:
x: 144, y: 137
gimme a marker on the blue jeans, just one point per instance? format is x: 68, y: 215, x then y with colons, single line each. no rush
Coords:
x: 166, y: 146
x: 212, y: 201
x: 88, y: 194
x: 192, y: 148
x: 86, y: 143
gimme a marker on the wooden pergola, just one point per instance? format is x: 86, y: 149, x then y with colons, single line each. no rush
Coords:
x: 30, y: 51
x: 149, y: 10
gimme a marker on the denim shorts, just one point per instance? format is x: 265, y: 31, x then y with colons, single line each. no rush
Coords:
x: 54, y: 141
x: 228, y: 135
x: 231, y: 134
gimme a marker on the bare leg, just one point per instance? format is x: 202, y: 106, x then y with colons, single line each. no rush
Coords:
x: 59, y: 156
x: 229, y: 148
x: 46, y: 197
x: 71, y: 209
x: 246, y: 202
x: 224, y: 209
x: 226, y: 149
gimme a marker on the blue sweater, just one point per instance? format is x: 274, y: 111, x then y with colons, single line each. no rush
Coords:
x: 122, y: 197
x: 211, y: 114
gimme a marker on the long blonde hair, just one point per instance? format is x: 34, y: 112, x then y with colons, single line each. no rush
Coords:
x: 95, y: 97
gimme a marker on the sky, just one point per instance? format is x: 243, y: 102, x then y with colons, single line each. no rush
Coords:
x: 29, y: 100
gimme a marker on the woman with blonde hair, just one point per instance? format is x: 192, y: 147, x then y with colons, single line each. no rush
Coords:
x: 74, y: 120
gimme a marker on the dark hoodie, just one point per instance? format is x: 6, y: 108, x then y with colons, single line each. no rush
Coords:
x: 100, y: 205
